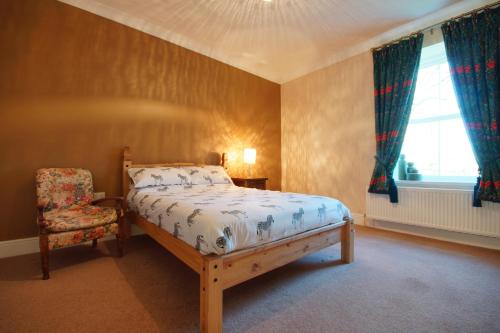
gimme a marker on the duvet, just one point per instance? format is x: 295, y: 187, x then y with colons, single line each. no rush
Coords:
x: 222, y: 218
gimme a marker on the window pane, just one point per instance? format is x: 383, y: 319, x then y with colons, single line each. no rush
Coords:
x: 434, y: 95
x: 426, y: 99
x: 420, y: 146
x: 436, y: 140
x: 456, y: 157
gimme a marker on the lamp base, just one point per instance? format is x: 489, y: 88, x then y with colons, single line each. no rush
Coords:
x: 249, y: 171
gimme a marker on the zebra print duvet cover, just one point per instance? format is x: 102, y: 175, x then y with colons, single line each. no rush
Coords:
x: 222, y: 218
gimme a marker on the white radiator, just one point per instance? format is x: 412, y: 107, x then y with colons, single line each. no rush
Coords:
x: 446, y: 209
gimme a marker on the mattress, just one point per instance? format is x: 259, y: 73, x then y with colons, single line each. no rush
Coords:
x: 223, y: 218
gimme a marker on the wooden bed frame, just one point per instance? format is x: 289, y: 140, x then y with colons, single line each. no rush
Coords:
x: 219, y: 272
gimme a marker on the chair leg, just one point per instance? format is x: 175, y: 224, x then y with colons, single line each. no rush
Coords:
x: 44, y: 255
x: 94, y: 243
x: 119, y: 245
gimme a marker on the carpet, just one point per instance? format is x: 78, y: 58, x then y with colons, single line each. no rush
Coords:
x: 397, y: 283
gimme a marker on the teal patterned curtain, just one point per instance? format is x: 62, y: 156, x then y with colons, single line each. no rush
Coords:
x: 472, y: 47
x: 395, y: 73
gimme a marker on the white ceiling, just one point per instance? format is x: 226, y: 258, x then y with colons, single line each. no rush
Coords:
x: 278, y: 39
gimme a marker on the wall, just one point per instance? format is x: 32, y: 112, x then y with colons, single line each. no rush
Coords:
x: 75, y: 88
x: 328, y: 131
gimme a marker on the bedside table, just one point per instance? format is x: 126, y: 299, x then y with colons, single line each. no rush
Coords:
x: 259, y: 183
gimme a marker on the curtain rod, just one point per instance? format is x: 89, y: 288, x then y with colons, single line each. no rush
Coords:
x: 435, y: 25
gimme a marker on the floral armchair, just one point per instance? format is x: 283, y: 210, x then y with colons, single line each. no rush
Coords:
x: 68, y: 215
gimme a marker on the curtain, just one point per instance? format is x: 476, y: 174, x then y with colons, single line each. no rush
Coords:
x: 395, y: 70
x: 472, y: 48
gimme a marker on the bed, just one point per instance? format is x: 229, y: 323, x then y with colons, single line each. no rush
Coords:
x: 228, y: 234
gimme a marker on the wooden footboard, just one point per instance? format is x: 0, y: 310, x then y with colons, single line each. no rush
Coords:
x: 219, y: 272
x: 243, y: 265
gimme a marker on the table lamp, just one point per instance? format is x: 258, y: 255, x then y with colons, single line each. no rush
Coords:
x: 249, y: 156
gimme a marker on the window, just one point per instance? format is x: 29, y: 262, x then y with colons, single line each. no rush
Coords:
x: 435, y: 139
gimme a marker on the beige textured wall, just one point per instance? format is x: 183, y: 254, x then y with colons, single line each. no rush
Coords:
x: 328, y: 131
x: 75, y: 88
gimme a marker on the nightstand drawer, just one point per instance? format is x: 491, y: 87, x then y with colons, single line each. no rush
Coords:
x: 259, y: 183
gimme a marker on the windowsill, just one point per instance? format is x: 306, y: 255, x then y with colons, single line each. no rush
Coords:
x: 436, y: 184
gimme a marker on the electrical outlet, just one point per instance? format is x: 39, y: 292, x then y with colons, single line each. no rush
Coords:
x: 99, y: 195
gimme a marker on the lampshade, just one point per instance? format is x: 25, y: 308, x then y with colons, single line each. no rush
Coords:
x: 249, y: 155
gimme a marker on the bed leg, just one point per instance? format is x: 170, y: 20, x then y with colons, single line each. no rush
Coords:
x: 121, y: 235
x: 211, y: 296
x: 347, y: 242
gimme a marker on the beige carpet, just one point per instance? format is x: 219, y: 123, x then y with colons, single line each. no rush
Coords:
x: 397, y: 284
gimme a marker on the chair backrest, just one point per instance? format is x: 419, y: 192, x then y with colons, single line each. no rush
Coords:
x: 62, y: 187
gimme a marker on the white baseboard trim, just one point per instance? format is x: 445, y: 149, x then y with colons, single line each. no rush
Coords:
x: 18, y: 247
x: 439, y: 234
x: 358, y: 218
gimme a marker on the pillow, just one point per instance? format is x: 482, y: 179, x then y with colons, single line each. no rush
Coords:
x: 208, y: 174
x: 143, y: 177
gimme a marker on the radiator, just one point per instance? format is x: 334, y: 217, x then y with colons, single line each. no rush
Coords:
x: 446, y: 209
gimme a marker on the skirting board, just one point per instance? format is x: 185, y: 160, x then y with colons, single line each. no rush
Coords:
x: 444, y: 235
x: 358, y: 218
x: 17, y: 247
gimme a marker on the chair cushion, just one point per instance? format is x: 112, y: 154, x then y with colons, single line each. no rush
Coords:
x: 78, y: 217
x: 63, y: 187
x: 62, y: 239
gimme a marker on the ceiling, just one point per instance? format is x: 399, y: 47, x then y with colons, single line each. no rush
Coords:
x: 278, y: 40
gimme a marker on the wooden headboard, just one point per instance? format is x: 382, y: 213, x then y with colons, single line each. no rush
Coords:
x: 127, y: 163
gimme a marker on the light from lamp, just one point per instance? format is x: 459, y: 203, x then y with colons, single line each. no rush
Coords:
x: 249, y: 155
x: 232, y: 156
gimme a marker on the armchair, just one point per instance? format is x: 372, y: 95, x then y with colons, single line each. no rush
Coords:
x: 67, y: 215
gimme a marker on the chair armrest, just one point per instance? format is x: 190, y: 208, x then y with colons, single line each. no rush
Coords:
x: 119, y: 204
x: 118, y: 200
x: 124, y: 226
